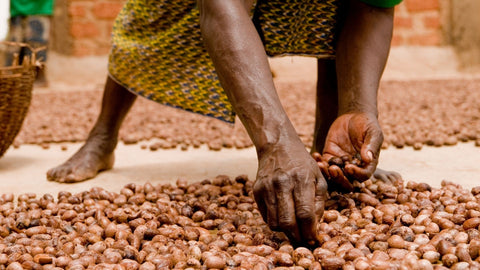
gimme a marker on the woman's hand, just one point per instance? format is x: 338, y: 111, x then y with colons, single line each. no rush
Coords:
x: 290, y: 191
x: 352, y: 148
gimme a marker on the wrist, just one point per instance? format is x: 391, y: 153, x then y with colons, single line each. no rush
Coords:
x: 358, y: 99
x: 284, y: 136
x: 357, y: 109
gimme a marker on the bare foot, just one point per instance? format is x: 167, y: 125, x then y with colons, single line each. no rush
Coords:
x: 387, y: 176
x: 86, y: 163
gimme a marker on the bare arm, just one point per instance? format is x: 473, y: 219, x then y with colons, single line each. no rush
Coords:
x: 243, y: 69
x: 290, y: 189
x: 362, y: 52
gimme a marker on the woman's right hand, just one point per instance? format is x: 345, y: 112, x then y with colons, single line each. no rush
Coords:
x: 290, y: 191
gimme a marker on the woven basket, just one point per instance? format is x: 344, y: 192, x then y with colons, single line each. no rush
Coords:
x: 16, y: 83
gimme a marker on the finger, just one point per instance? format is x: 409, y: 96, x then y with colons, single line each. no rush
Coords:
x: 360, y: 173
x: 323, y: 166
x: 339, y: 178
x: 320, y: 196
x: 287, y: 222
x: 258, y: 192
x: 317, y: 156
x: 304, y: 196
x: 266, y: 204
x: 320, y: 199
x: 334, y: 171
x: 271, y: 205
x: 371, y: 148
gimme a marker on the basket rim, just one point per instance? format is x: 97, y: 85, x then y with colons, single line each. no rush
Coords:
x: 23, y: 44
x: 32, y: 61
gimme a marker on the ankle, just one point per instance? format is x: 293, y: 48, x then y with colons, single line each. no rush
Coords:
x: 102, y: 138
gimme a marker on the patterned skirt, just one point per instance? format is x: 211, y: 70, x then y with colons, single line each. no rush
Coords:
x: 158, y: 51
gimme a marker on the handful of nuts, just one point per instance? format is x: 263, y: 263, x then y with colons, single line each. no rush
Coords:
x: 334, y: 169
x: 344, y: 160
x: 215, y: 224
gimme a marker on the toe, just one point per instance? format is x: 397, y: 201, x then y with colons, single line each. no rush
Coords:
x: 396, y: 176
x: 391, y: 178
x: 54, y: 174
x: 381, y: 177
x: 80, y: 174
x: 71, y: 178
x: 50, y: 175
x: 58, y: 174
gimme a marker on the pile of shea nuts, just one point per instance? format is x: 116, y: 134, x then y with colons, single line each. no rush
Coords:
x: 433, y: 113
x: 214, y: 224
x: 411, y: 113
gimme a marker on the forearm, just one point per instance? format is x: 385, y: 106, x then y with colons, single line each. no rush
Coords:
x: 362, y: 52
x: 242, y: 66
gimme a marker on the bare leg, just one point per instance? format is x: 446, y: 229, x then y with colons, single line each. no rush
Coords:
x: 97, y: 153
x: 327, y: 102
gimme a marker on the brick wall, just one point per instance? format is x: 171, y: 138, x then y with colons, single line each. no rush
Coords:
x: 419, y: 23
x: 88, y: 25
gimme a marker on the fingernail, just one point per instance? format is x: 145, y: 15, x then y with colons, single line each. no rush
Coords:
x: 370, y: 155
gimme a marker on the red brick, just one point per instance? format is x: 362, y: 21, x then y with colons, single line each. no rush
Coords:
x: 402, y: 21
x: 107, y: 10
x: 84, y: 30
x: 400, y: 9
x: 427, y: 39
x: 421, y: 5
x: 77, y: 9
x: 397, y: 40
x: 432, y: 21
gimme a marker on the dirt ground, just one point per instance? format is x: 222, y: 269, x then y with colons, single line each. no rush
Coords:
x: 23, y: 169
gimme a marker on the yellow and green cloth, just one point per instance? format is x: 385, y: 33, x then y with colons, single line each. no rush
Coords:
x: 158, y: 52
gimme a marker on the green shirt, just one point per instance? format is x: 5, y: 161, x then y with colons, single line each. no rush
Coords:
x: 31, y: 7
x: 382, y: 3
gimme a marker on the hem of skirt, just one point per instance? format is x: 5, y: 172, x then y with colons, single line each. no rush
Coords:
x: 46, y: 14
x: 321, y: 56
x: 171, y: 106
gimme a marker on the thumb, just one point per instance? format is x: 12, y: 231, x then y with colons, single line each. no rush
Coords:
x: 371, y: 148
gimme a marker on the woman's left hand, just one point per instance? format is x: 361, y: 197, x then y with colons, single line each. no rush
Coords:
x: 352, y: 148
